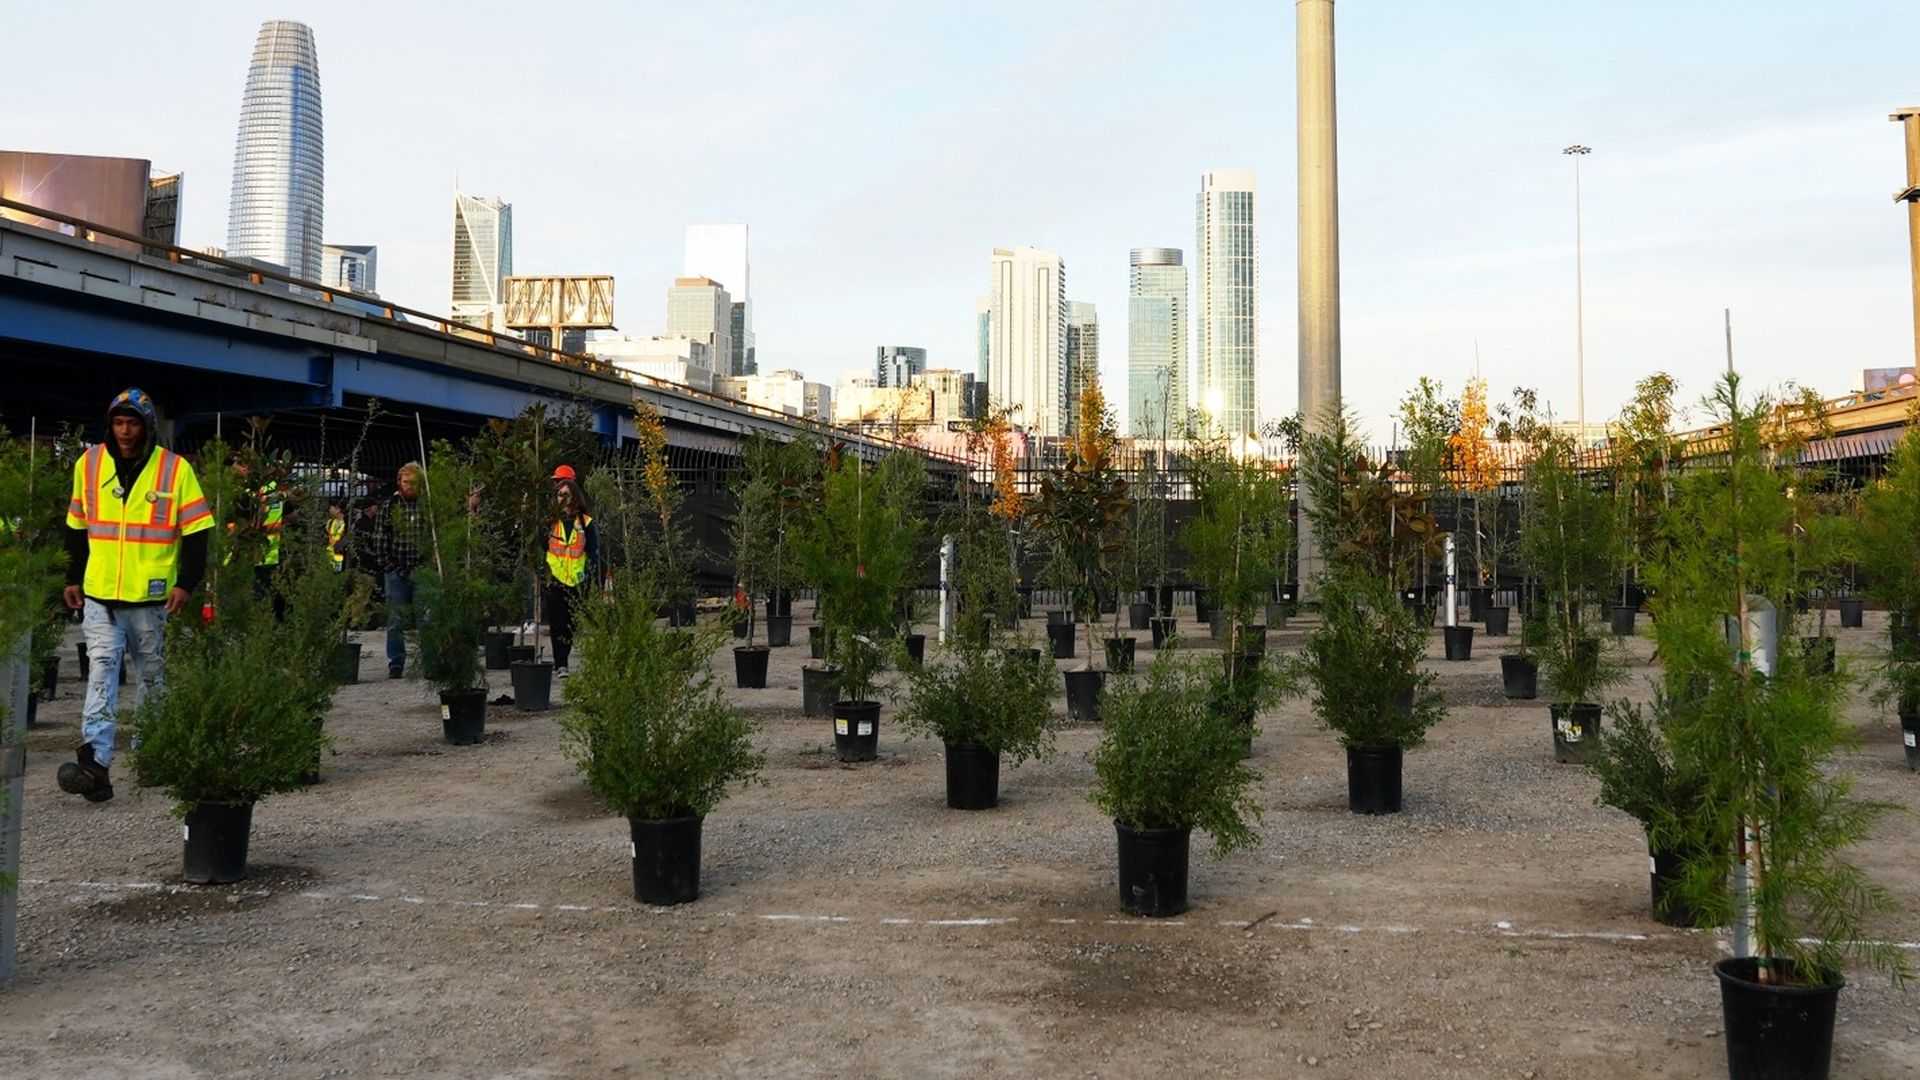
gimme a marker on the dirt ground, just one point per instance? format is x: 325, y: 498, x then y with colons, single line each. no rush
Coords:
x: 467, y: 911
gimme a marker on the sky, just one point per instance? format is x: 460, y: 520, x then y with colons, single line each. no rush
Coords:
x: 1742, y: 159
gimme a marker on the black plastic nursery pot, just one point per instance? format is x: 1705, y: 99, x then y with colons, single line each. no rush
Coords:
x: 1373, y: 779
x: 1024, y: 655
x: 1477, y: 596
x: 1060, y: 636
x: 1853, y: 614
x: 817, y: 642
x: 1217, y: 623
x: 1497, y: 618
x: 1139, y: 616
x: 1459, y: 641
x: 817, y: 690
x: 739, y: 624
x: 1202, y: 608
x: 750, y: 666
x: 1119, y: 655
x: 521, y: 654
x: 1153, y: 870
x: 532, y: 685
x: 779, y: 630
x: 1663, y: 879
x: 973, y: 777
x: 1775, y: 1031
x: 1083, y: 694
x: 684, y: 613
x: 346, y: 662
x: 1520, y: 677
x: 1822, y: 657
x: 666, y: 859
x: 1910, y: 735
x: 463, y: 716
x: 1026, y: 600
x: 215, y: 847
x: 1418, y: 607
x: 312, y: 775
x: 1623, y: 617
x: 1576, y: 732
x: 1163, y: 601
x: 916, y: 648
x: 49, y: 677
x: 493, y: 646
x: 33, y: 710
x: 1059, y: 618
x: 1163, y: 629
x: 856, y: 730
x: 1277, y: 615
x: 780, y: 603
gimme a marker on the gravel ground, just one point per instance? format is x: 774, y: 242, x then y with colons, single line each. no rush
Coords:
x: 466, y: 911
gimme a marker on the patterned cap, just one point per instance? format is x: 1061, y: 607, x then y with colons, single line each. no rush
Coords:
x: 133, y: 401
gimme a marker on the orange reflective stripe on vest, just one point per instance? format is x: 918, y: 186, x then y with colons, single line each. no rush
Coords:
x: 567, y: 551
x: 133, y: 536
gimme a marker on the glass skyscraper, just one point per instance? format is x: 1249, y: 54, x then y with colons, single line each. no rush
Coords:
x: 279, y: 176
x: 896, y: 365
x: 1027, y: 338
x: 1083, y: 356
x: 1156, y: 343
x: 482, y: 255
x: 1228, y: 297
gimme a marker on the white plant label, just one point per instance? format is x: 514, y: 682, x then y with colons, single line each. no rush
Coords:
x: 633, y: 850
x: 866, y: 728
x: 839, y: 727
x: 446, y: 712
x: 186, y: 832
x: 1910, y: 738
x: 1652, y: 867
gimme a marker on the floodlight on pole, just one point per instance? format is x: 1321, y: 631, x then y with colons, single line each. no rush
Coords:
x: 1577, y: 151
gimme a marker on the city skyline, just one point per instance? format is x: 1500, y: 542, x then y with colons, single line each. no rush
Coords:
x: 1226, y: 301
x: 276, y: 207
x: 1158, y: 326
x: 875, y: 232
x: 1027, y: 338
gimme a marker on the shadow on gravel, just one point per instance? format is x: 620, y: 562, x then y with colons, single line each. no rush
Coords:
x: 265, y: 884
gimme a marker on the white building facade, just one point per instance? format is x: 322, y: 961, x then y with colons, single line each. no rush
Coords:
x: 482, y: 258
x: 719, y: 253
x: 1027, y: 338
x: 1227, y: 300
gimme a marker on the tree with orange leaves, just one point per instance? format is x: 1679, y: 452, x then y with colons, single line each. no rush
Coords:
x: 1083, y: 506
x: 1475, y: 469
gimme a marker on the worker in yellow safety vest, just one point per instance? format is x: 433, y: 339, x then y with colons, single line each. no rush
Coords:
x: 337, y: 535
x: 573, y: 550
x: 136, y: 549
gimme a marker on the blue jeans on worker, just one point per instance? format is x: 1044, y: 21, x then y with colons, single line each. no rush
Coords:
x: 399, y: 616
x: 111, y: 634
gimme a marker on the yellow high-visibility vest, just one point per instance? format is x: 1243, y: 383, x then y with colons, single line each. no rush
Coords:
x: 567, y: 551
x: 270, y: 523
x: 336, y: 532
x: 133, y: 536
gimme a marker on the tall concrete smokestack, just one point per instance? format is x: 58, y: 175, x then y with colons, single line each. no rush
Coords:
x: 1319, y: 192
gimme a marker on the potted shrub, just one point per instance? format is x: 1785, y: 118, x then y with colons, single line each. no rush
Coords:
x: 1476, y: 474
x: 1428, y: 423
x: 235, y: 722
x: 1361, y: 663
x: 1567, y: 542
x: 1236, y: 543
x: 1893, y: 578
x: 1641, y: 451
x: 454, y: 596
x: 755, y: 533
x: 1639, y: 775
x: 1169, y: 765
x: 855, y: 550
x: 652, y: 733
x: 901, y: 480
x: 1760, y: 729
x: 665, y: 557
x: 1082, y: 513
x: 986, y: 706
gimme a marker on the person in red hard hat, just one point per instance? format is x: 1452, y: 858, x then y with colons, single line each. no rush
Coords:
x: 136, y: 549
x: 573, y: 551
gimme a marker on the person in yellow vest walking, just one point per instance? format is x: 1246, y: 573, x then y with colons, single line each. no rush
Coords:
x: 573, y: 551
x: 136, y: 549
x: 337, y: 535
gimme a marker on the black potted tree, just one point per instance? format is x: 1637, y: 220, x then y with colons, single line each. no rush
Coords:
x: 987, y: 706
x: 1169, y: 765
x: 794, y: 467
x: 1640, y: 776
x: 1141, y: 562
x: 665, y: 556
x: 454, y: 592
x: 901, y: 480
x: 652, y: 733
x: 1760, y: 729
x: 235, y: 722
x: 1641, y: 451
x: 34, y: 530
x: 1236, y: 544
x: 1826, y: 543
x: 855, y: 550
x: 1428, y: 423
x: 1476, y: 475
x: 1082, y: 512
x: 755, y: 533
x: 1893, y: 578
x: 1567, y: 541
x: 1361, y: 663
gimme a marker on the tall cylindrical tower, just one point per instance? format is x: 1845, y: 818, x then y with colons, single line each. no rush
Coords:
x: 1319, y: 193
x: 278, y: 202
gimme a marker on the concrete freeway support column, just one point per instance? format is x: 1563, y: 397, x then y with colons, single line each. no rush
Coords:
x: 1319, y: 193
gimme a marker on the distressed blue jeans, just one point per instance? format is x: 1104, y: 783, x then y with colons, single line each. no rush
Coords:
x: 400, y: 616
x: 111, y: 634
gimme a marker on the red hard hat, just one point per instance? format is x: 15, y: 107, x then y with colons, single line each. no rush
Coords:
x: 564, y: 472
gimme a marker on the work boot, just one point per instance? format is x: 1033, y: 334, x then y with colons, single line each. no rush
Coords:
x: 86, y: 777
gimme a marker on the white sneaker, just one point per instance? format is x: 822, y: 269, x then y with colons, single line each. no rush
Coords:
x: 526, y: 629
x: 560, y: 672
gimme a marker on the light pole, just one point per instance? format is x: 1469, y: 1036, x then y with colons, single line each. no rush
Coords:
x: 1577, y: 152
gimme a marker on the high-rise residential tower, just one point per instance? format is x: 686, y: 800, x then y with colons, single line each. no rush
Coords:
x: 278, y: 202
x: 896, y: 365
x: 1227, y: 300
x: 719, y: 253
x: 982, y: 320
x: 1083, y: 356
x: 701, y: 309
x: 1156, y: 343
x: 482, y: 256
x: 1027, y: 338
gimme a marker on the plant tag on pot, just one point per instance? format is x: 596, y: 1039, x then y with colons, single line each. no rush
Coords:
x: 633, y: 850
x: 446, y: 712
x: 839, y: 727
x: 1653, y: 867
x: 186, y: 832
x: 866, y: 728
x: 1910, y: 738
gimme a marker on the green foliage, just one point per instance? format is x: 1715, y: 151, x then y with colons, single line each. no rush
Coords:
x: 35, y: 479
x: 650, y: 727
x: 454, y: 591
x: 855, y: 548
x: 984, y: 697
x: 1362, y: 667
x: 1365, y: 527
x: 1169, y: 761
x: 1082, y: 511
x: 1638, y: 774
x: 1568, y: 544
x: 513, y: 462
x: 1239, y: 538
x: 1762, y: 743
x: 981, y: 578
x: 1642, y: 453
x: 755, y: 529
x: 1429, y: 423
x: 901, y: 480
x: 1889, y: 526
x: 1827, y: 543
